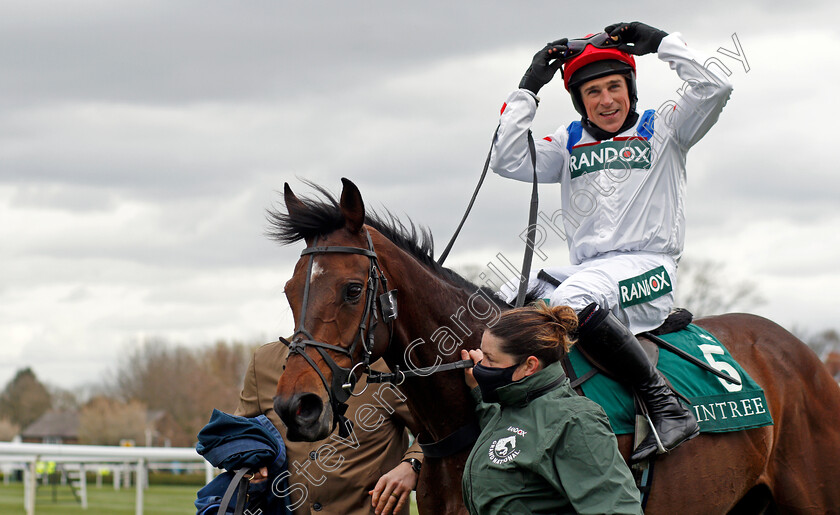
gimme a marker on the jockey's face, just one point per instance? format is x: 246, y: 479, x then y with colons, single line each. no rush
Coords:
x: 607, y: 101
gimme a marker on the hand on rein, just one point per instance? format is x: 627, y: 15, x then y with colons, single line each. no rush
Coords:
x: 475, y: 355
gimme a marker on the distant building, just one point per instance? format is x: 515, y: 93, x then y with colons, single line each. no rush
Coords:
x: 163, y: 431
x: 55, y: 426
x: 62, y: 426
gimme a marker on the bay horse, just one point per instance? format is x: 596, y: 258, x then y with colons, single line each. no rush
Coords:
x: 792, y: 466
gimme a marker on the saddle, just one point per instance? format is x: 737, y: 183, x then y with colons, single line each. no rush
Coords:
x: 677, y: 320
x: 699, y: 369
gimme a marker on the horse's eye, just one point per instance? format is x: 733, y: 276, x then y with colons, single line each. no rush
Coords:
x: 353, y: 291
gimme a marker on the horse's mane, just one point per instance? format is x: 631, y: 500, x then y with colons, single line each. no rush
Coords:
x: 323, y: 216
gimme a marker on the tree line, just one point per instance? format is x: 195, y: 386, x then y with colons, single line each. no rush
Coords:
x: 174, y: 383
x: 181, y: 386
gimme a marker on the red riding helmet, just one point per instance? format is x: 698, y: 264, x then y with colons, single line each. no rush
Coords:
x: 593, y: 57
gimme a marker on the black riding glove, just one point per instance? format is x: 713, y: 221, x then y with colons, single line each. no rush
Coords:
x: 636, y: 38
x: 545, y: 64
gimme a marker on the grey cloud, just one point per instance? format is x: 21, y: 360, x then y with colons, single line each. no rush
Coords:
x: 39, y: 195
x: 141, y: 142
x: 162, y: 52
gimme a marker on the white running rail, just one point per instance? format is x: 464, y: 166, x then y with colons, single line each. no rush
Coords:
x: 31, y: 453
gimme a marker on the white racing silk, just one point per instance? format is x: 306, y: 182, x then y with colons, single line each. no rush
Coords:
x: 620, y: 197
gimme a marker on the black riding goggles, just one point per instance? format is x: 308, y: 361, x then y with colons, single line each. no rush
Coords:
x: 575, y: 47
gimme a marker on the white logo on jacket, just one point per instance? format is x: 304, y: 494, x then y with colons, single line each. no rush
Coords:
x: 503, y: 450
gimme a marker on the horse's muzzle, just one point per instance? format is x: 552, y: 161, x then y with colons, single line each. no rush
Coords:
x: 306, y: 416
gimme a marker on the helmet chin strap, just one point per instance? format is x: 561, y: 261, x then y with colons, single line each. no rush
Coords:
x: 600, y: 134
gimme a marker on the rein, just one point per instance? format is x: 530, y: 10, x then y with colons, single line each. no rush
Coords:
x: 344, y: 379
x: 532, y: 218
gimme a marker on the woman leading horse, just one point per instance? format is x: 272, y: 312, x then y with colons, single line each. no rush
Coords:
x: 542, y: 448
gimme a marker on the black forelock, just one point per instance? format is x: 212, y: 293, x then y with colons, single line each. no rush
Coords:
x: 322, y: 216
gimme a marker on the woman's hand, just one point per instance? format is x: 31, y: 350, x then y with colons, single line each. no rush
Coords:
x: 475, y: 355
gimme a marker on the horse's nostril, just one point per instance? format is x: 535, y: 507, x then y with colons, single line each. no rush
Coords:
x: 309, y: 408
x: 281, y: 407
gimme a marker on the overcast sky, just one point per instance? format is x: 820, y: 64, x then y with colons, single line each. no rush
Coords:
x: 142, y: 141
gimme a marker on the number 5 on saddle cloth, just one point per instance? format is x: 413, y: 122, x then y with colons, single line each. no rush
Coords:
x: 719, y: 405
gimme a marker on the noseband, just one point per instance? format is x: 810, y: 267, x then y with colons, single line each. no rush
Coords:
x: 344, y: 379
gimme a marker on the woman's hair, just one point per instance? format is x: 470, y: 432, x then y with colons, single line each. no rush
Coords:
x: 536, y: 330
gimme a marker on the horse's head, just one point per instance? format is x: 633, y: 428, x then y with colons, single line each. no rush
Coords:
x: 334, y: 299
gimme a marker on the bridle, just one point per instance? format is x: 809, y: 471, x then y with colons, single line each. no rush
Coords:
x: 344, y: 379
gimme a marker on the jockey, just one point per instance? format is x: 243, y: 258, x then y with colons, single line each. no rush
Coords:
x: 623, y: 187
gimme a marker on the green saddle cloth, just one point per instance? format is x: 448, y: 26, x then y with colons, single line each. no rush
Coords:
x: 718, y: 405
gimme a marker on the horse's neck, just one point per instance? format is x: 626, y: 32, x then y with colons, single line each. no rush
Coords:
x: 435, y: 321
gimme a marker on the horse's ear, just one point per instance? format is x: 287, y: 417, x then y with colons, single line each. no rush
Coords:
x: 352, y: 206
x: 294, y: 206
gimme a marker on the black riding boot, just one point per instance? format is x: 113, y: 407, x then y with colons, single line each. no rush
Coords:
x: 614, y: 347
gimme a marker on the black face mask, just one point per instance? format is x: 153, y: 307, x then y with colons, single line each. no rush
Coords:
x: 490, y: 378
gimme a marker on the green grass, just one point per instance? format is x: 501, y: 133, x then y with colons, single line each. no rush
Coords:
x: 158, y: 499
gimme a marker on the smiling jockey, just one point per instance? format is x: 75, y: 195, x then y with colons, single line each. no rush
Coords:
x: 623, y: 187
